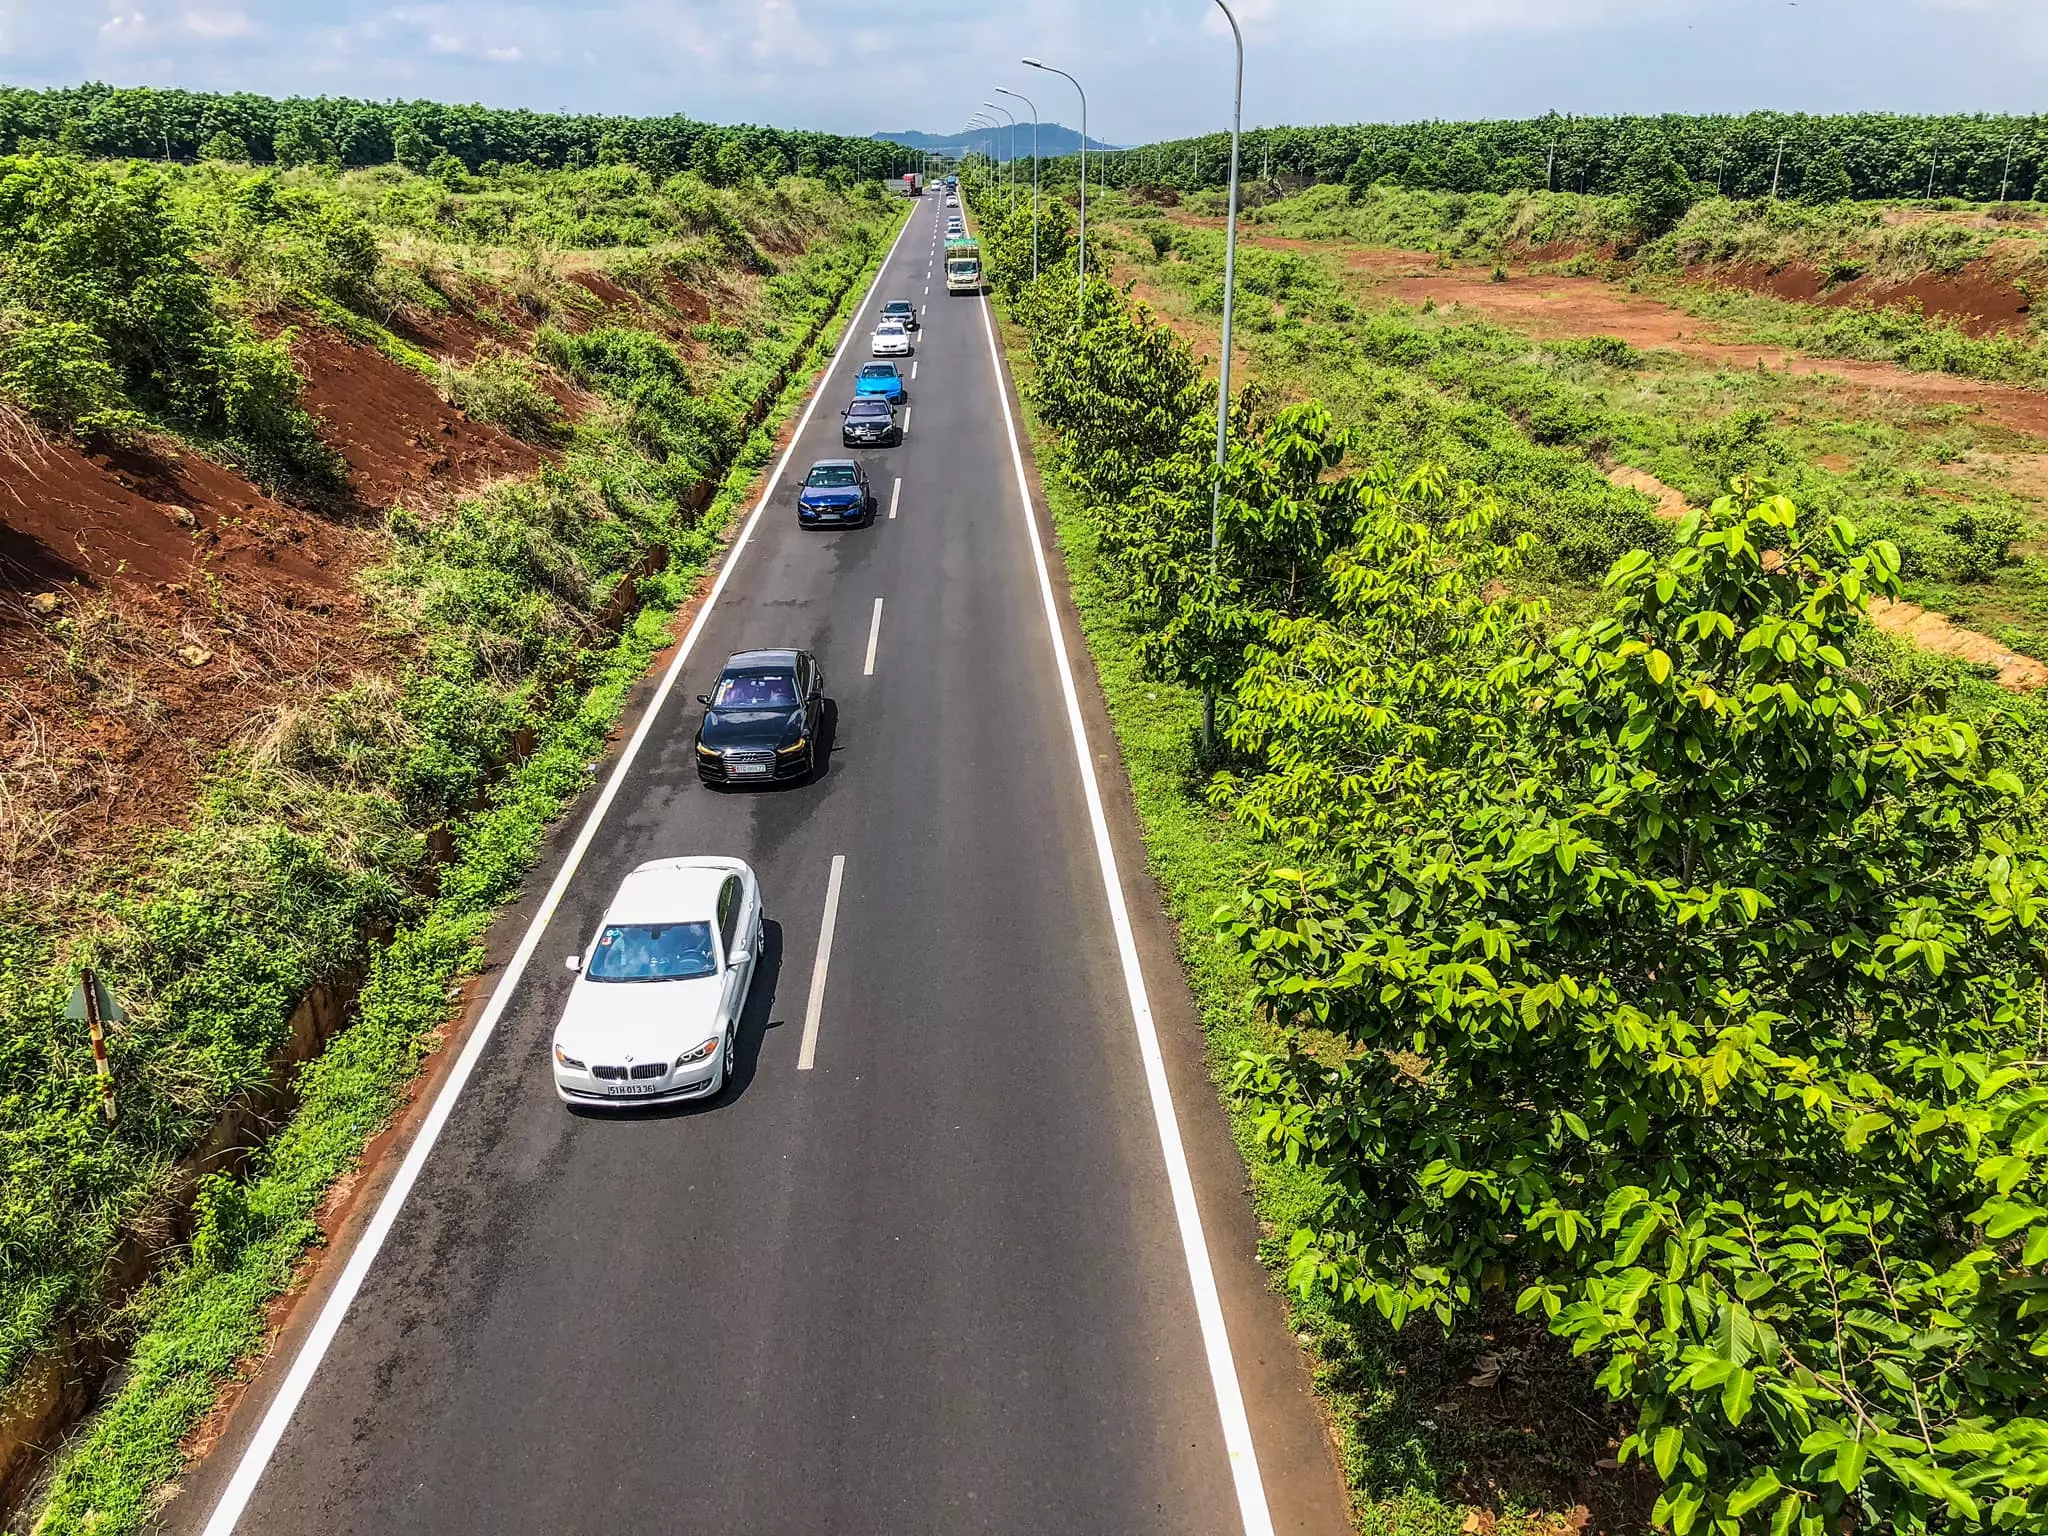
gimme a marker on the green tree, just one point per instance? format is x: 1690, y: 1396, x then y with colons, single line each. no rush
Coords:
x: 1828, y: 181
x: 298, y: 142
x: 1656, y: 186
x: 1660, y: 972
x: 224, y: 146
x: 1464, y: 168
x: 410, y: 147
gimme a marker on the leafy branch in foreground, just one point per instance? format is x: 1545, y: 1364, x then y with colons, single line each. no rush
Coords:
x: 1657, y: 970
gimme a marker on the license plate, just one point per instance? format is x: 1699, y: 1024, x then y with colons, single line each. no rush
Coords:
x: 624, y: 1090
x: 739, y: 769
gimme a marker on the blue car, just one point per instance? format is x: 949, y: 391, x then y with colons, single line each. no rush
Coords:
x: 835, y: 491
x: 883, y: 379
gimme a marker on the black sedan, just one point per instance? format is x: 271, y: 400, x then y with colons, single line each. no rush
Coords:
x: 835, y: 491
x: 870, y: 422
x: 902, y: 311
x: 762, y: 720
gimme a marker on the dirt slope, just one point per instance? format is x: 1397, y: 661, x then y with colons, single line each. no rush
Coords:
x: 156, y: 606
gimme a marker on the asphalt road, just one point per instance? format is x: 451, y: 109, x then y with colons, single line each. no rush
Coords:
x: 934, y: 1284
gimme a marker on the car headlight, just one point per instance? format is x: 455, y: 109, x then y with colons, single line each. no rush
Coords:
x: 565, y: 1059
x: 704, y: 751
x: 698, y: 1053
x: 795, y: 746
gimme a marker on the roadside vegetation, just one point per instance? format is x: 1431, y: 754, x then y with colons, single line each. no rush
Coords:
x: 355, y: 840
x: 1626, y: 959
x: 1544, y: 420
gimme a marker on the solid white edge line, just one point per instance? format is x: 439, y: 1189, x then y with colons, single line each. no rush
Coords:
x: 874, y: 636
x: 814, y: 1010
x: 1237, y: 1430
x: 234, y: 1500
x: 895, y: 495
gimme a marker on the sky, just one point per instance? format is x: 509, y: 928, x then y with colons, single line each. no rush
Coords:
x: 1153, y: 68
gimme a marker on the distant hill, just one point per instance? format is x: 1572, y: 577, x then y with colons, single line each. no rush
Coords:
x: 1053, y: 139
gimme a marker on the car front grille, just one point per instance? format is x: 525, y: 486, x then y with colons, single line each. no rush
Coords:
x: 737, y: 759
x: 640, y: 1072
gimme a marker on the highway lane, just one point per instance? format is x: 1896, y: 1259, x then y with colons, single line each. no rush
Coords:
x: 933, y: 1283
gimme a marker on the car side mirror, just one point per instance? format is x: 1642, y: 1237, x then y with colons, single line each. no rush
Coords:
x: 704, y: 699
x: 575, y: 965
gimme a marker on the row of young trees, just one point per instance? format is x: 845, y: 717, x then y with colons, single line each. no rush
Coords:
x: 1658, y: 973
x: 1867, y: 155
x: 146, y: 123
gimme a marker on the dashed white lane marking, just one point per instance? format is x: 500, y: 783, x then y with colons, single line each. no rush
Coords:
x: 814, y: 1011
x: 906, y: 421
x: 913, y: 367
x: 874, y: 639
x: 895, y: 495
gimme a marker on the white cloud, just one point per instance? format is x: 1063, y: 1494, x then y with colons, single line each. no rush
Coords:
x: 216, y: 25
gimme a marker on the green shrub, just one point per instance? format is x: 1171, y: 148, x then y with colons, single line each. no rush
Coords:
x: 60, y: 373
x: 504, y: 389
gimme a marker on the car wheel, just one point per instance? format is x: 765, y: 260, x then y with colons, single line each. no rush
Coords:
x: 810, y: 769
x: 725, y: 1063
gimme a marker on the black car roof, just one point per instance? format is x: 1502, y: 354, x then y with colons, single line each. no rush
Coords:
x: 756, y: 661
x: 866, y: 405
x: 899, y: 304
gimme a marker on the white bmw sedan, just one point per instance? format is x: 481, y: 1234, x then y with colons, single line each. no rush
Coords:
x: 655, y: 1011
x: 891, y: 340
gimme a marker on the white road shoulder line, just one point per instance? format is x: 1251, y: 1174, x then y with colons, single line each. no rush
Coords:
x: 1257, y: 1518
x: 895, y: 495
x: 875, y: 629
x: 249, y: 1471
x: 814, y: 1010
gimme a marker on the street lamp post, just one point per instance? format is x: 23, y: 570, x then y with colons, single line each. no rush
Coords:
x: 1013, y: 148
x: 1000, y: 91
x: 1223, y: 384
x: 1035, y: 64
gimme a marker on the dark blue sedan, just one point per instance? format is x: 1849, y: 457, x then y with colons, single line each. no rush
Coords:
x: 835, y: 491
x: 884, y: 380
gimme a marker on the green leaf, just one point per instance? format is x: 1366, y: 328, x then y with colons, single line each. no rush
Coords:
x: 1735, y: 1394
x: 1659, y: 664
x: 1753, y: 1493
x: 1664, y: 1454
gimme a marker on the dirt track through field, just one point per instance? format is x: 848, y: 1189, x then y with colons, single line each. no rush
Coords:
x: 1550, y: 305
x: 1928, y: 630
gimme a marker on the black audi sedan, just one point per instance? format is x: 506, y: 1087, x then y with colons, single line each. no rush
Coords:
x: 870, y: 422
x: 762, y: 720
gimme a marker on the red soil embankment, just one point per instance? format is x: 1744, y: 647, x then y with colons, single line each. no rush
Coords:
x: 156, y: 606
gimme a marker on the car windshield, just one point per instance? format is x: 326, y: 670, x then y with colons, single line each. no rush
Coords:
x: 832, y: 474
x: 653, y: 952
x: 963, y: 264
x: 897, y: 307
x: 755, y: 690
x: 890, y: 329
x: 873, y: 409
x: 879, y: 371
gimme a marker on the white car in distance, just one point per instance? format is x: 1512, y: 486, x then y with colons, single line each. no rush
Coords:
x: 891, y: 340
x: 654, y: 1014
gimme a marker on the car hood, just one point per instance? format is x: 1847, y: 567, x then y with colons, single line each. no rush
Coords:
x: 832, y: 495
x: 760, y: 730
x: 877, y: 386
x: 612, y: 1021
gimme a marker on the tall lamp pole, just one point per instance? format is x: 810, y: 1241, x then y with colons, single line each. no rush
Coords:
x: 1000, y: 91
x: 1223, y: 385
x: 1035, y: 64
x: 1013, y: 148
